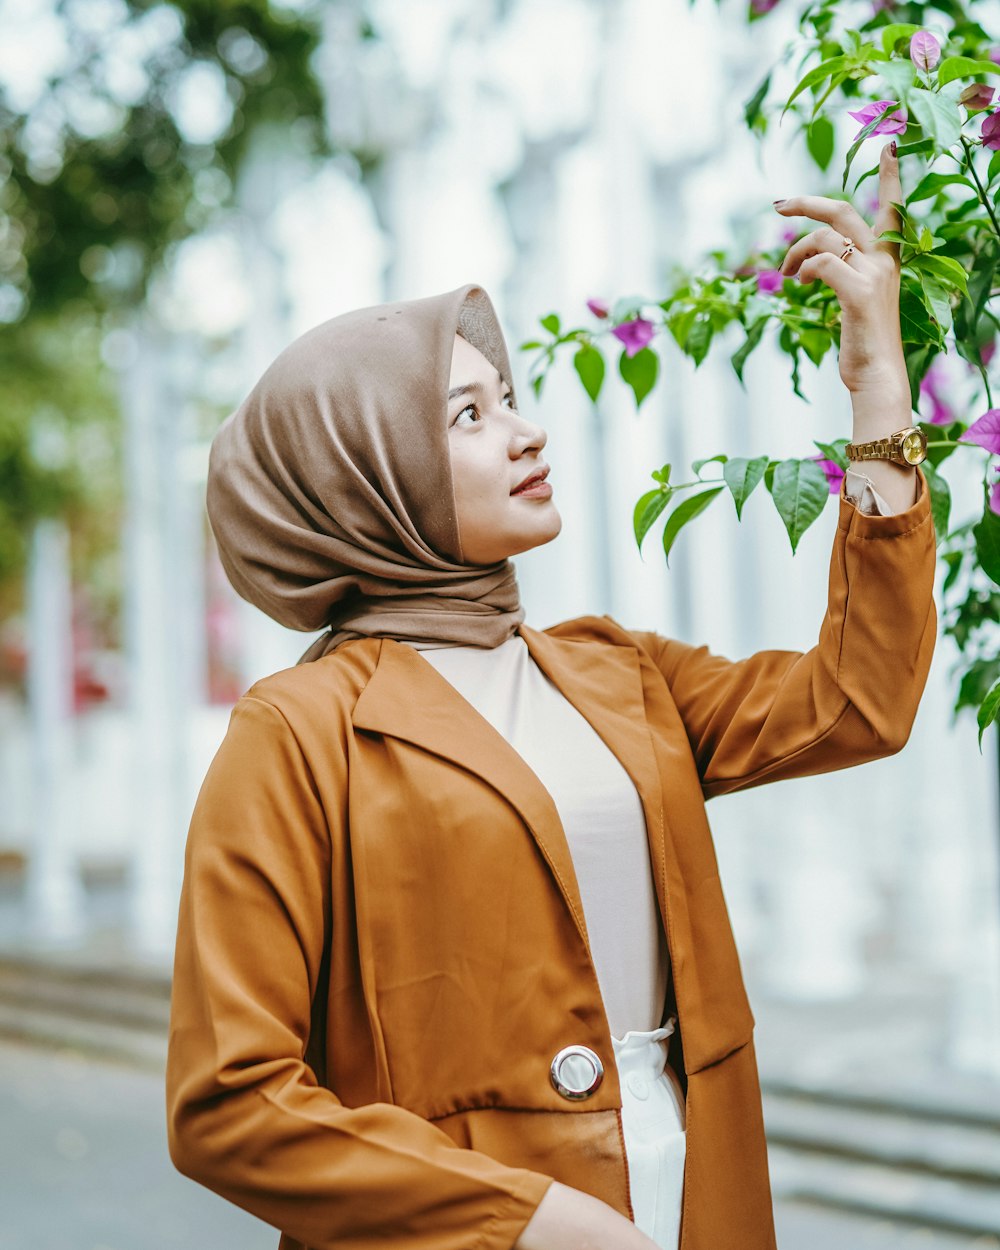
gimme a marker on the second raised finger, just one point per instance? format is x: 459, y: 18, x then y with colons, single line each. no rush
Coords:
x: 822, y: 240
x: 839, y: 215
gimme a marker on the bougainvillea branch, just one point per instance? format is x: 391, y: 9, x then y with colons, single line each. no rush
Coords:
x: 925, y: 81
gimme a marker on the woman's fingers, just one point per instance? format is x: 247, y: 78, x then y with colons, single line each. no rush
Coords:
x: 840, y: 214
x: 823, y: 240
x: 890, y: 190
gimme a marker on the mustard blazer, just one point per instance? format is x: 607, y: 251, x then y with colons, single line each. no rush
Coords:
x: 381, y: 945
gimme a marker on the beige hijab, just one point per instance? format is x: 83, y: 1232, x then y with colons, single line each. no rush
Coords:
x: 329, y: 489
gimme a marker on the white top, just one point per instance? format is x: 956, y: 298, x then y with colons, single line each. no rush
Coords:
x: 600, y: 812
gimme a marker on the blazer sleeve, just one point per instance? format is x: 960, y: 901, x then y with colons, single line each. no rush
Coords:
x: 852, y: 697
x: 246, y: 1115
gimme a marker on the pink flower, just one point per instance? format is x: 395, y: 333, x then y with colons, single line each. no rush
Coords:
x: 834, y: 473
x: 789, y: 235
x: 769, y: 281
x: 985, y: 431
x: 635, y: 334
x: 987, y: 351
x: 599, y: 307
x: 925, y: 51
x: 891, y: 123
x: 995, y: 494
x: 977, y: 96
x: 994, y: 54
x: 990, y: 131
x: 762, y: 6
x: 941, y: 414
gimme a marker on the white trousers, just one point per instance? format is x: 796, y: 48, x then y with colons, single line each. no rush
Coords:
x: 654, y: 1127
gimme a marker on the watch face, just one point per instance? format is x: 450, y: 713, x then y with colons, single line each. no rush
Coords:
x: 915, y: 447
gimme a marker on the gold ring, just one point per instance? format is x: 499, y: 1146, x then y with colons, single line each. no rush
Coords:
x: 848, y: 247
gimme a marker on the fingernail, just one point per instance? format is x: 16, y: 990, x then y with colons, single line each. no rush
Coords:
x: 892, y: 147
x: 777, y: 203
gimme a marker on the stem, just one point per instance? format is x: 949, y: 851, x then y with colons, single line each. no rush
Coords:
x: 984, y: 198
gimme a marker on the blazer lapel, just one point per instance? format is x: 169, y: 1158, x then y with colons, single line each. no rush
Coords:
x: 407, y: 698
x: 604, y: 684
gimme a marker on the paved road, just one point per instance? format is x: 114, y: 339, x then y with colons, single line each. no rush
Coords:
x: 84, y: 1166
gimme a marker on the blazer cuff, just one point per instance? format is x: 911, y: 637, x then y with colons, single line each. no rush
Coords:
x: 870, y: 525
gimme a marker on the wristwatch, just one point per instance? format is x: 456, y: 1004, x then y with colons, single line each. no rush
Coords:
x: 908, y: 446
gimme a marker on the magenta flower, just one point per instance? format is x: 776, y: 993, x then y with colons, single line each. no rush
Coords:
x: 635, y: 334
x: 941, y: 414
x: 977, y: 96
x: 985, y: 431
x: 987, y: 351
x: 891, y: 123
x: 789, y: 235
x: 834, y: 473
x: 995, y: 493
x: 994, y: 54
x: 990, y: 131
x: 769, y: 281
x: 599, y: 307
x: 762, y: 6
x: 925, y: 51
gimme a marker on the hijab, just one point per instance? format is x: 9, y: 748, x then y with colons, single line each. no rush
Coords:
x: 329, y: 488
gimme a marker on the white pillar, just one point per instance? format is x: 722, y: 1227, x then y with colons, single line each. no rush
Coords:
x: 54, y: 893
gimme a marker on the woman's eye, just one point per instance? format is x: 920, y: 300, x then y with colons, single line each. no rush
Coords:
x: 471, y: 408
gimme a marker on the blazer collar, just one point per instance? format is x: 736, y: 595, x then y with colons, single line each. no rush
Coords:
x: 407, y: 698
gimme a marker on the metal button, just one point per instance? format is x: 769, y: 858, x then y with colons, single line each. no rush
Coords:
x: 576, y: 1072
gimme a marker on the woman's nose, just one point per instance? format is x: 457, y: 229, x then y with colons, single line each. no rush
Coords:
x: 528, y: 434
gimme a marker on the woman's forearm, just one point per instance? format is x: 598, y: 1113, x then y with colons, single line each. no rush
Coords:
x: 879, y: 412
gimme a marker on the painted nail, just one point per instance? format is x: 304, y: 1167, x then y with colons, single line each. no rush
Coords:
x: 892, y: 147
x: 777, y: 203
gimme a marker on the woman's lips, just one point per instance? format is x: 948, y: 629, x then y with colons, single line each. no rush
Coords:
x: 534, y: 490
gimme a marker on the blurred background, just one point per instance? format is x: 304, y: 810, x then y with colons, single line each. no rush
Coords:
x: 184, y: 188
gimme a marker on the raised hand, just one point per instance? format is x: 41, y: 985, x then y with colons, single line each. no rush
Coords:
x: 863, y: 274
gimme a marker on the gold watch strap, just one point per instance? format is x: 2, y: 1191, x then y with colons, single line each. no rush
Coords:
x: 876, y: 449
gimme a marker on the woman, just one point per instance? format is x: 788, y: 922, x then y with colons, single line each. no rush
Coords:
x: 453, y: 966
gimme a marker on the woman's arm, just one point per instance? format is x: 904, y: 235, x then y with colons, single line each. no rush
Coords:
x: 852, y: 697
x: 246, y: 1116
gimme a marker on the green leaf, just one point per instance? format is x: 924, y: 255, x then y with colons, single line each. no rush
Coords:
x: 696, y: 465
x: 914, y: 321
x: 800, y: 491
x: 815, y: 343
x: 898, y: 75
x: 988, y: 711
x: 589, y: 364
x: 938, y: 115
x: 936, y: 301
x: 940, y: 433
x: 699, y: 339
x: 931, y: 184
x: 834, y: 451
x: 945, y: 269
x: 814, y: 77
x: 647, y: 510
x: 894, y: 32
x: 537, y: 383
x: 742, y: 476
x: 685, y: 512
x: 751, y: 109
x: 551, y: 323
x: 531, y: 344
x: 963, y: 67
x: 940, y: 499
x: 769, y: 475
x: 819, y: 140
x: 640, y: 372
x: 679, y: 324
x: 987, y: 535
x: 739, y: 357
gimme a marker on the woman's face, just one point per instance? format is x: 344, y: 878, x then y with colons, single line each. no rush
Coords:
x: 493, y: 452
